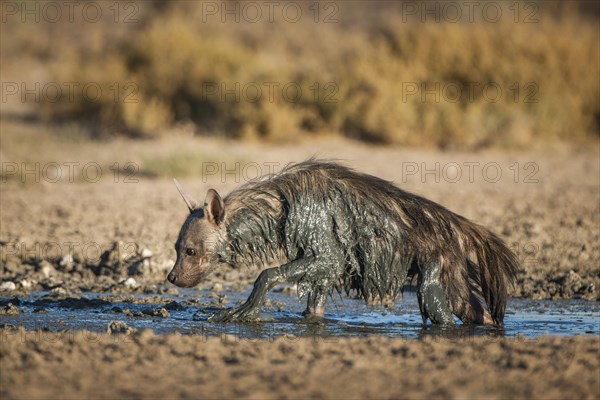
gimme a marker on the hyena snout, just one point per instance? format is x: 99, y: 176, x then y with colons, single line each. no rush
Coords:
x: 176, y: 276
x: 184, y: 276
x: 172, y: 277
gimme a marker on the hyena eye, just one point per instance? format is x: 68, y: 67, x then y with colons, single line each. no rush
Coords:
x: 190, y: 252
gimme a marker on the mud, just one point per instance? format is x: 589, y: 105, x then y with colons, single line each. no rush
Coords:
x: 37, y: 364
x: 72, y: 252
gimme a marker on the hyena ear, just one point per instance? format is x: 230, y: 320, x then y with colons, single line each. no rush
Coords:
x: 214, y: 207
x: 192, y: 203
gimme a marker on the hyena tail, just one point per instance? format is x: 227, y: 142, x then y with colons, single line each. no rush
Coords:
x: 488, y: 268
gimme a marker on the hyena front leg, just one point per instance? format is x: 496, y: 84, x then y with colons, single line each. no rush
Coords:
x: 432, y: 297
x: 305, y: 268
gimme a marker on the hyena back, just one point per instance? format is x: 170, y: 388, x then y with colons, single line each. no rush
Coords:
x: 329, y: 227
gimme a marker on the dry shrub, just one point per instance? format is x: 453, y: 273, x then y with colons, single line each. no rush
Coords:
x: 166, y: 68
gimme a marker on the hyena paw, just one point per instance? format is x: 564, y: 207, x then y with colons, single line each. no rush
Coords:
x: 235, y: 314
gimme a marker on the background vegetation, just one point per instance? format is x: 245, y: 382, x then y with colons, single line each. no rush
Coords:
x: 371, y: 72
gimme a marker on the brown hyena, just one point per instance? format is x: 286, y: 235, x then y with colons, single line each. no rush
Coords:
x: 329, y: 227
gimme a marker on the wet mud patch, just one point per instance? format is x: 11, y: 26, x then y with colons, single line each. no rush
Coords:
x: 188, y: 313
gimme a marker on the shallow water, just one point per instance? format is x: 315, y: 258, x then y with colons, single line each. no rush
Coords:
x: 282, y: 316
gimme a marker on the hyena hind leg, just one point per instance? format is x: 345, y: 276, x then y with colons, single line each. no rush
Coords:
x: 316, y: 302
x: 433, y: 303
x: 468, y: 305
x: 471, y: 311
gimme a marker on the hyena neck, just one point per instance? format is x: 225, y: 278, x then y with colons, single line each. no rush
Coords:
x: 253, y: 231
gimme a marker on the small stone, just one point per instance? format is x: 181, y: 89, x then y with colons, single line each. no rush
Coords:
x: 130, y: 283
x: 47, y: 269
x: 58, y: 291
x: 7, y: 286
x: 10, y: 309
x: 174, y: 306
x: 217, y: 287
x: 115, y: 327
x: 156, y: 312
x: 66, y: 260
x: 25, y: 284
x: 146, y: 253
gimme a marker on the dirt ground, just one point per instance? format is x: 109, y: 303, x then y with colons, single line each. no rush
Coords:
x: 117, y: 236
x: 86, y: 235
x: 85, y: 364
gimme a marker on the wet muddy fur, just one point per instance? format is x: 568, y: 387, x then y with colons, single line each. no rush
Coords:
x: 331, y: 228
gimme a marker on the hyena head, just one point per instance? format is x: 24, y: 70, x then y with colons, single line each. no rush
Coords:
x: 198, y: 238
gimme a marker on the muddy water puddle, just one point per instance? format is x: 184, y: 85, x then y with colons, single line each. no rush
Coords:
x: 188, y: 313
